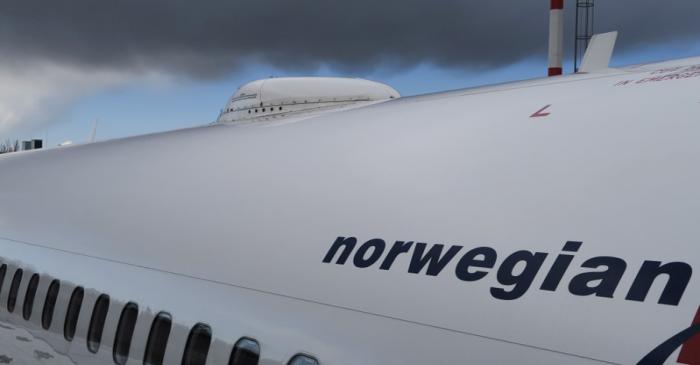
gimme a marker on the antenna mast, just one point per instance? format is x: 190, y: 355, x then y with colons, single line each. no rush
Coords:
x: 93, y: 134
x: 584, y: 29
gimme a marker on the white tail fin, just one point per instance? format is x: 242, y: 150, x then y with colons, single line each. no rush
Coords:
x: 599, y: 53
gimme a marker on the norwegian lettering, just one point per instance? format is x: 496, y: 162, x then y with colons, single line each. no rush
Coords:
x: 597, y: 276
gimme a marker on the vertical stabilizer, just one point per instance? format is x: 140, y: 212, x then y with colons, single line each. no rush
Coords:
x: 599, y: 52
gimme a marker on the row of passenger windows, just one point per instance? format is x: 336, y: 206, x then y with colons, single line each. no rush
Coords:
x: 260, y: 110
x: 263, y: 110
x: 245, y: 352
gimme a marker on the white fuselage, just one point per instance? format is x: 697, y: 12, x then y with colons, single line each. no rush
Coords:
x: 238, y: 232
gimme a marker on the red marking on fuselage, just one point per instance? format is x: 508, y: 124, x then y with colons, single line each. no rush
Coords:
x: 541, y: 113
x: 690, y: 352
x: 554, y: 71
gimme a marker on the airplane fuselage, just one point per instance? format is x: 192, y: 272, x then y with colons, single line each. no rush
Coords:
x: 548, y: 221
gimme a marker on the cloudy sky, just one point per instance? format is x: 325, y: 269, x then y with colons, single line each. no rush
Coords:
x: 142, y: 66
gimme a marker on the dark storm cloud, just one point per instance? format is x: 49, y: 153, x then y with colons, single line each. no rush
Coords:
x: 208, y: 38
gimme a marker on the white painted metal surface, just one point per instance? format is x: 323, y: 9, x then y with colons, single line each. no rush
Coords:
x: 599, y: 53
x: 279, y: 98
x: 234, y: 233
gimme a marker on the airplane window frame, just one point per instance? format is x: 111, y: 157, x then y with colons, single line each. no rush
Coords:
x: 75, y: 304
x: 198, y: 345
x: 302, y: 359
x: 97, y: 323
x: 125, y: 333
x: 246, y: 351
x: 14, y: 290
x: 158, y: 337
x: 50, y: 304
x: 29, y: 297
x: 3, y: 272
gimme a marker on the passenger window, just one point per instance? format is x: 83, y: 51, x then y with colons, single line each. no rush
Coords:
x: 303, y: 360
x: 125, y: 331
x: 29, y: 297
x: 158, y: 339
x: 14, y: 288
x: 197, y: 346
x: 245, y: 352
x: 76, y: 301
x: 3, y: 270
x: 50, y: 304
x: 97, y: 323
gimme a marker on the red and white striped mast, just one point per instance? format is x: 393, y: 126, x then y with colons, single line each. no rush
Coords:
x: 556, y: 37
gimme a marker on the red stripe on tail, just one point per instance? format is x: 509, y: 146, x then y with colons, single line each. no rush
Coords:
x: 690, y: 352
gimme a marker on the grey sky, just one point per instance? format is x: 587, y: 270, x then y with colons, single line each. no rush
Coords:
x: 209, y: 38
x: 55, y: 53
